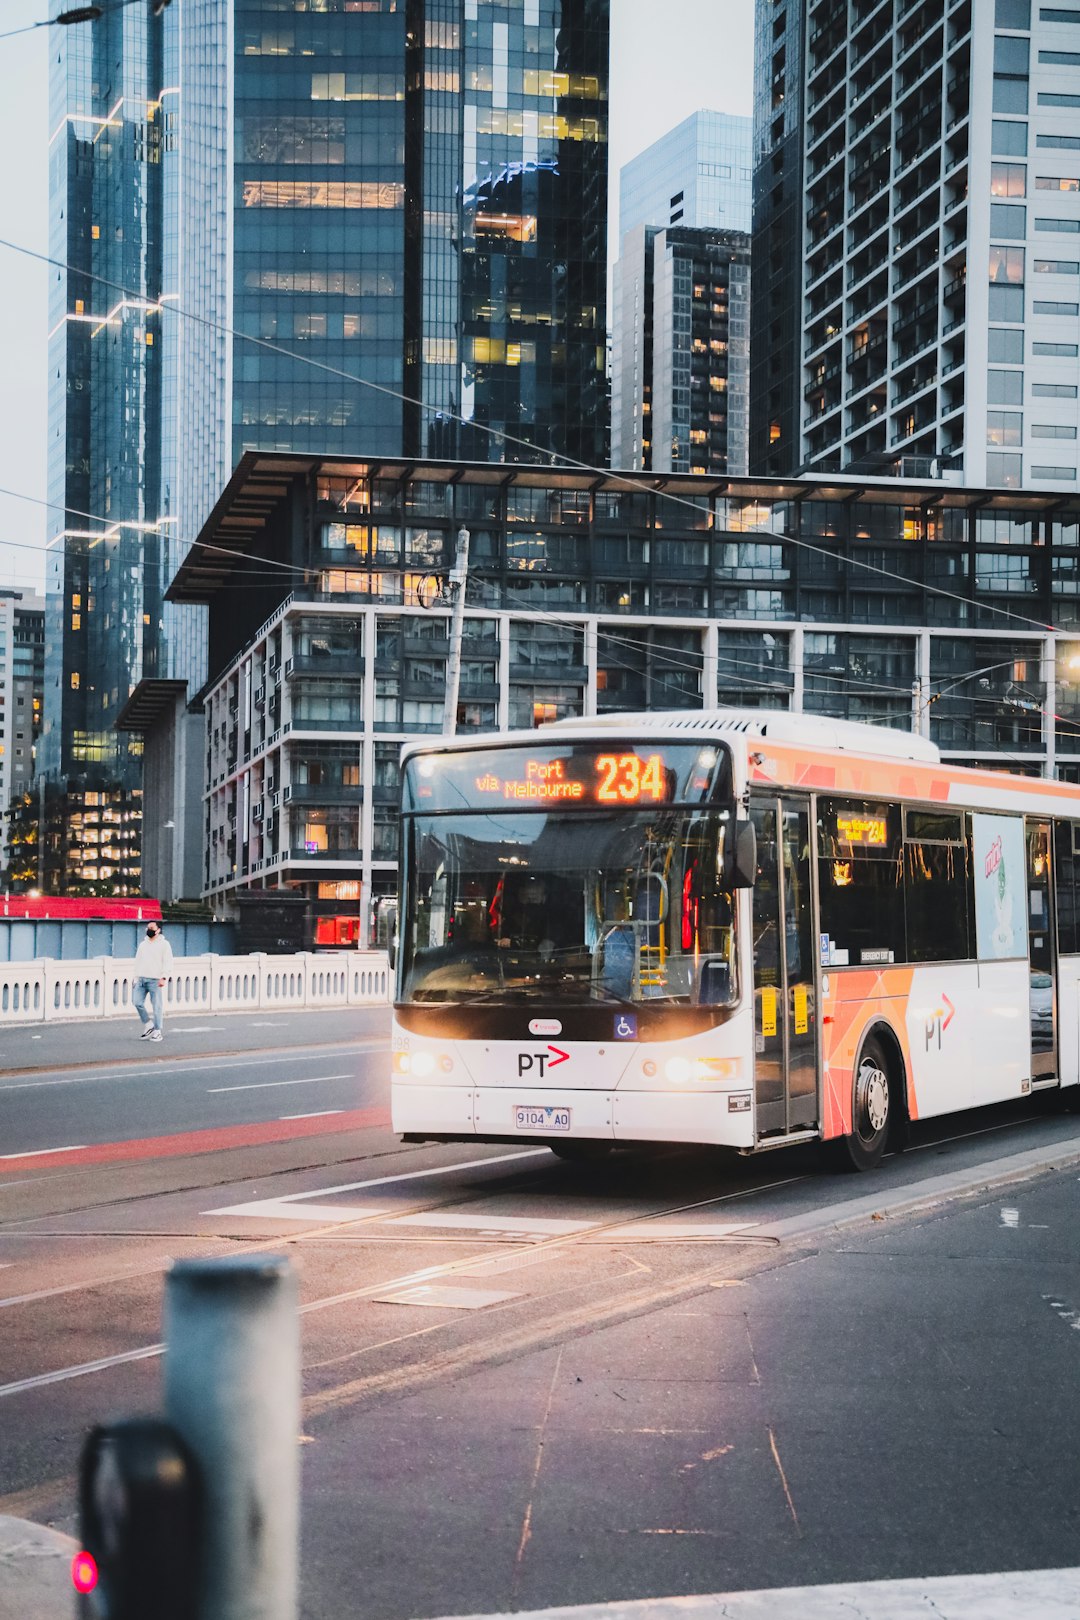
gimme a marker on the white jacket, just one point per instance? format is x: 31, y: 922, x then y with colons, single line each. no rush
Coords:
x: 153, y: 959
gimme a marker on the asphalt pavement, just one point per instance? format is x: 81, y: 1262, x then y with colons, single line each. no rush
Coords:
x: 528, y: 1383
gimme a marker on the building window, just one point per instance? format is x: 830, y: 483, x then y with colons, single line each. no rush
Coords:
x: 1005, y: 387
x: 1005, y: 347
x: 1008, y: 220
x: 1007, y: 265
x: 1012, y: 14
x: 1009, y: 137
x: 1060, y: 351
x: 1004, y: 427
x: 1060, y: 182
x: 1008, y: 179
x: 1003, y: 471
x: 1057, y: 267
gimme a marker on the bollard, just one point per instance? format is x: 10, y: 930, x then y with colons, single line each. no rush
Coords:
x: 232, y: 1391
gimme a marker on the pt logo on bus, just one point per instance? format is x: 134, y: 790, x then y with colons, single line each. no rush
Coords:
x: 537, y: 1062
x: 938, y: 1022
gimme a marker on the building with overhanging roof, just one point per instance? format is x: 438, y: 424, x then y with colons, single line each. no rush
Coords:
x: 930, y: 606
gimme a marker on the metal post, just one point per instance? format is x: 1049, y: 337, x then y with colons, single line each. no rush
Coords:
x: 458, y: 576
x: 232, y: 1390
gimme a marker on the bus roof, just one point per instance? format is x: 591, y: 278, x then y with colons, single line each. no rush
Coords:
x: 778, y: 725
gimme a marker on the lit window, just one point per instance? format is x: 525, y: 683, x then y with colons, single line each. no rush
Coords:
x: 74, y: 680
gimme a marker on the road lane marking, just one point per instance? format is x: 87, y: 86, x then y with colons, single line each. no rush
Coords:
x: 270, y: 1085
x: 36, y: 1153
x: 379, y: 1181
x: 63, y: 1374
x: 518, y: 1225
x: 323, y: 1113
x: 166, y: 1066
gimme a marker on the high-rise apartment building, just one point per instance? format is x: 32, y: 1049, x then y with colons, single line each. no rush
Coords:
x: 916, y: 191
x: 680, y: 337
x: 414, y: 198
x: 680, y: 364
x: 22, y: 679
x: 381, y: 219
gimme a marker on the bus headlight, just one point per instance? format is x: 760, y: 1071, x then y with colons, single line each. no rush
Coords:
x: 683, y: 1071
x: 421, y: 1064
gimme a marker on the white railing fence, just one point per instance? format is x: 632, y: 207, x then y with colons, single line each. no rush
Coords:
x: 100, y: 987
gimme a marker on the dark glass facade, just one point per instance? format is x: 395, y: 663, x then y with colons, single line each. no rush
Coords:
x: 595, y: 595
x: 111, y: 431
x: 417, y: 192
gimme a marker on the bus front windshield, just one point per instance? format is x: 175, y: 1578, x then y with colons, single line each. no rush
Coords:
x: 569, y: 908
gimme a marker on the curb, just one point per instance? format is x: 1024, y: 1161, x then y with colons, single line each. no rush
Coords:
x: 35, y: 1571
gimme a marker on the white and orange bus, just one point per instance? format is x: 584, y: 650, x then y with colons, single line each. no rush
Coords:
x: 742, y: 928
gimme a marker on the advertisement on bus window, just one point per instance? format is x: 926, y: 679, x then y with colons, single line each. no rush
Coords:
x: 1000, y: 885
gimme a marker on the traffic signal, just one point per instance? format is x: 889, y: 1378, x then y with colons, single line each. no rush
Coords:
x: 139, y: 1523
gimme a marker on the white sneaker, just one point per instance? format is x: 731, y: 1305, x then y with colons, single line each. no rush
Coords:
x: 147, y: 1032
x: 155, y: 1034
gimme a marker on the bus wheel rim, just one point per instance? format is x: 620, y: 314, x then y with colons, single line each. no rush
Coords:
x: 874, y: 1090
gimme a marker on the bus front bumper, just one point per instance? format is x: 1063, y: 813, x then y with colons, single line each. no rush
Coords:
x: 722, y: 1117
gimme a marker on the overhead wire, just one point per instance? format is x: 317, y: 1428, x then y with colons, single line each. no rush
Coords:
x: 548, y: 457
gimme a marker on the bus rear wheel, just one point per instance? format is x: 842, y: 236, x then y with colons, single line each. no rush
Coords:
x: 581, y: 1152
x: 871, y: 1112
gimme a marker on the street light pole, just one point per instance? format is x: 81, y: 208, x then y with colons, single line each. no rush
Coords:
x: 458, y: 576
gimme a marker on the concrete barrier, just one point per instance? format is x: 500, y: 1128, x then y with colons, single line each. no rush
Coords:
x: 100, y: 987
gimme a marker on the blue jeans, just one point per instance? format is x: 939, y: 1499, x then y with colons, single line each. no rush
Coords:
x: 144, y: 988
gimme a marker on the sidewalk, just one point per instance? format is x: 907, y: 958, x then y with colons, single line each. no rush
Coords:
x: 71, y: 1044
x: 1042, y: 1594
x: 35, y: 1572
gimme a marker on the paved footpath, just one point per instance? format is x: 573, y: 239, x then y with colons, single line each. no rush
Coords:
x: 1041, y: 1594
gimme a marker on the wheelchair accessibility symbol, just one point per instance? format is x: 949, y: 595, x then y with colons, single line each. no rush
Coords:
x: 626, y: 1027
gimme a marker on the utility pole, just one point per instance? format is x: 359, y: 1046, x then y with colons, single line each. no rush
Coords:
x: 458, y: 576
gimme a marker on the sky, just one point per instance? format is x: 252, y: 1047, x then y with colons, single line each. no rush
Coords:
x: 668, y: 59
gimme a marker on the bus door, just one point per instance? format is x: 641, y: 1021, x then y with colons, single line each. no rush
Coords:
x: 785, y: 1013
x: 1042, y: 966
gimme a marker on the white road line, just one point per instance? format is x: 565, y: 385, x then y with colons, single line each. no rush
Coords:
x: 189, y: 1029
x: 519, y: 1225
x: 271, y: 1085
x: 138, y: 1072
x: 323, y: 1113
x: 62, y: 1374
x: 37, y: 1153
x: 379, y: 1181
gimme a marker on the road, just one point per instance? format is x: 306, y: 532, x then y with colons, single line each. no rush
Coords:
x: 528, y: 1383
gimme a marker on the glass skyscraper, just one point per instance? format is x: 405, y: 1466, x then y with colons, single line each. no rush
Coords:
x: 112, y: 432
x: 413, y: 197
x: 380, y: 217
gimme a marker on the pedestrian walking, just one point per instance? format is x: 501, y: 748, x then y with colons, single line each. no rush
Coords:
x: 153, y: 965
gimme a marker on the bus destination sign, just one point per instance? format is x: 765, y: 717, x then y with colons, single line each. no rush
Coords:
x: 616, y: 779
x: 620, y: 776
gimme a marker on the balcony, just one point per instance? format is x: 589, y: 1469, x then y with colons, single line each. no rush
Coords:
x: 327, y: 793
x: 336, y: 669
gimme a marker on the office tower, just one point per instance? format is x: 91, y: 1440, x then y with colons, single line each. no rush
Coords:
x: 680, y: 340
x: 699, y: 173
x: 415, y: 197
x: 22, y: 679
x: 409, y: 193
x: 918, y: 177
x: 112, y: 431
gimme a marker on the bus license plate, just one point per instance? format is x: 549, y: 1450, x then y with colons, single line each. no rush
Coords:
x: 530, y: 1118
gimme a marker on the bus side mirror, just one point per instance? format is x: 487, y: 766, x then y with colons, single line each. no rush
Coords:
x: 742, y: 864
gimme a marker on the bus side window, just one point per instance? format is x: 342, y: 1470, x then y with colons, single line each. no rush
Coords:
x: 1067, y: 870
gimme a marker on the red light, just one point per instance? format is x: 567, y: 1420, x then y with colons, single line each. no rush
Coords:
x: 84, y: 1572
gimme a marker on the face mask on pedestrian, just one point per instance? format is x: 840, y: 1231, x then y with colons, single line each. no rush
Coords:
x: 151, y: 933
